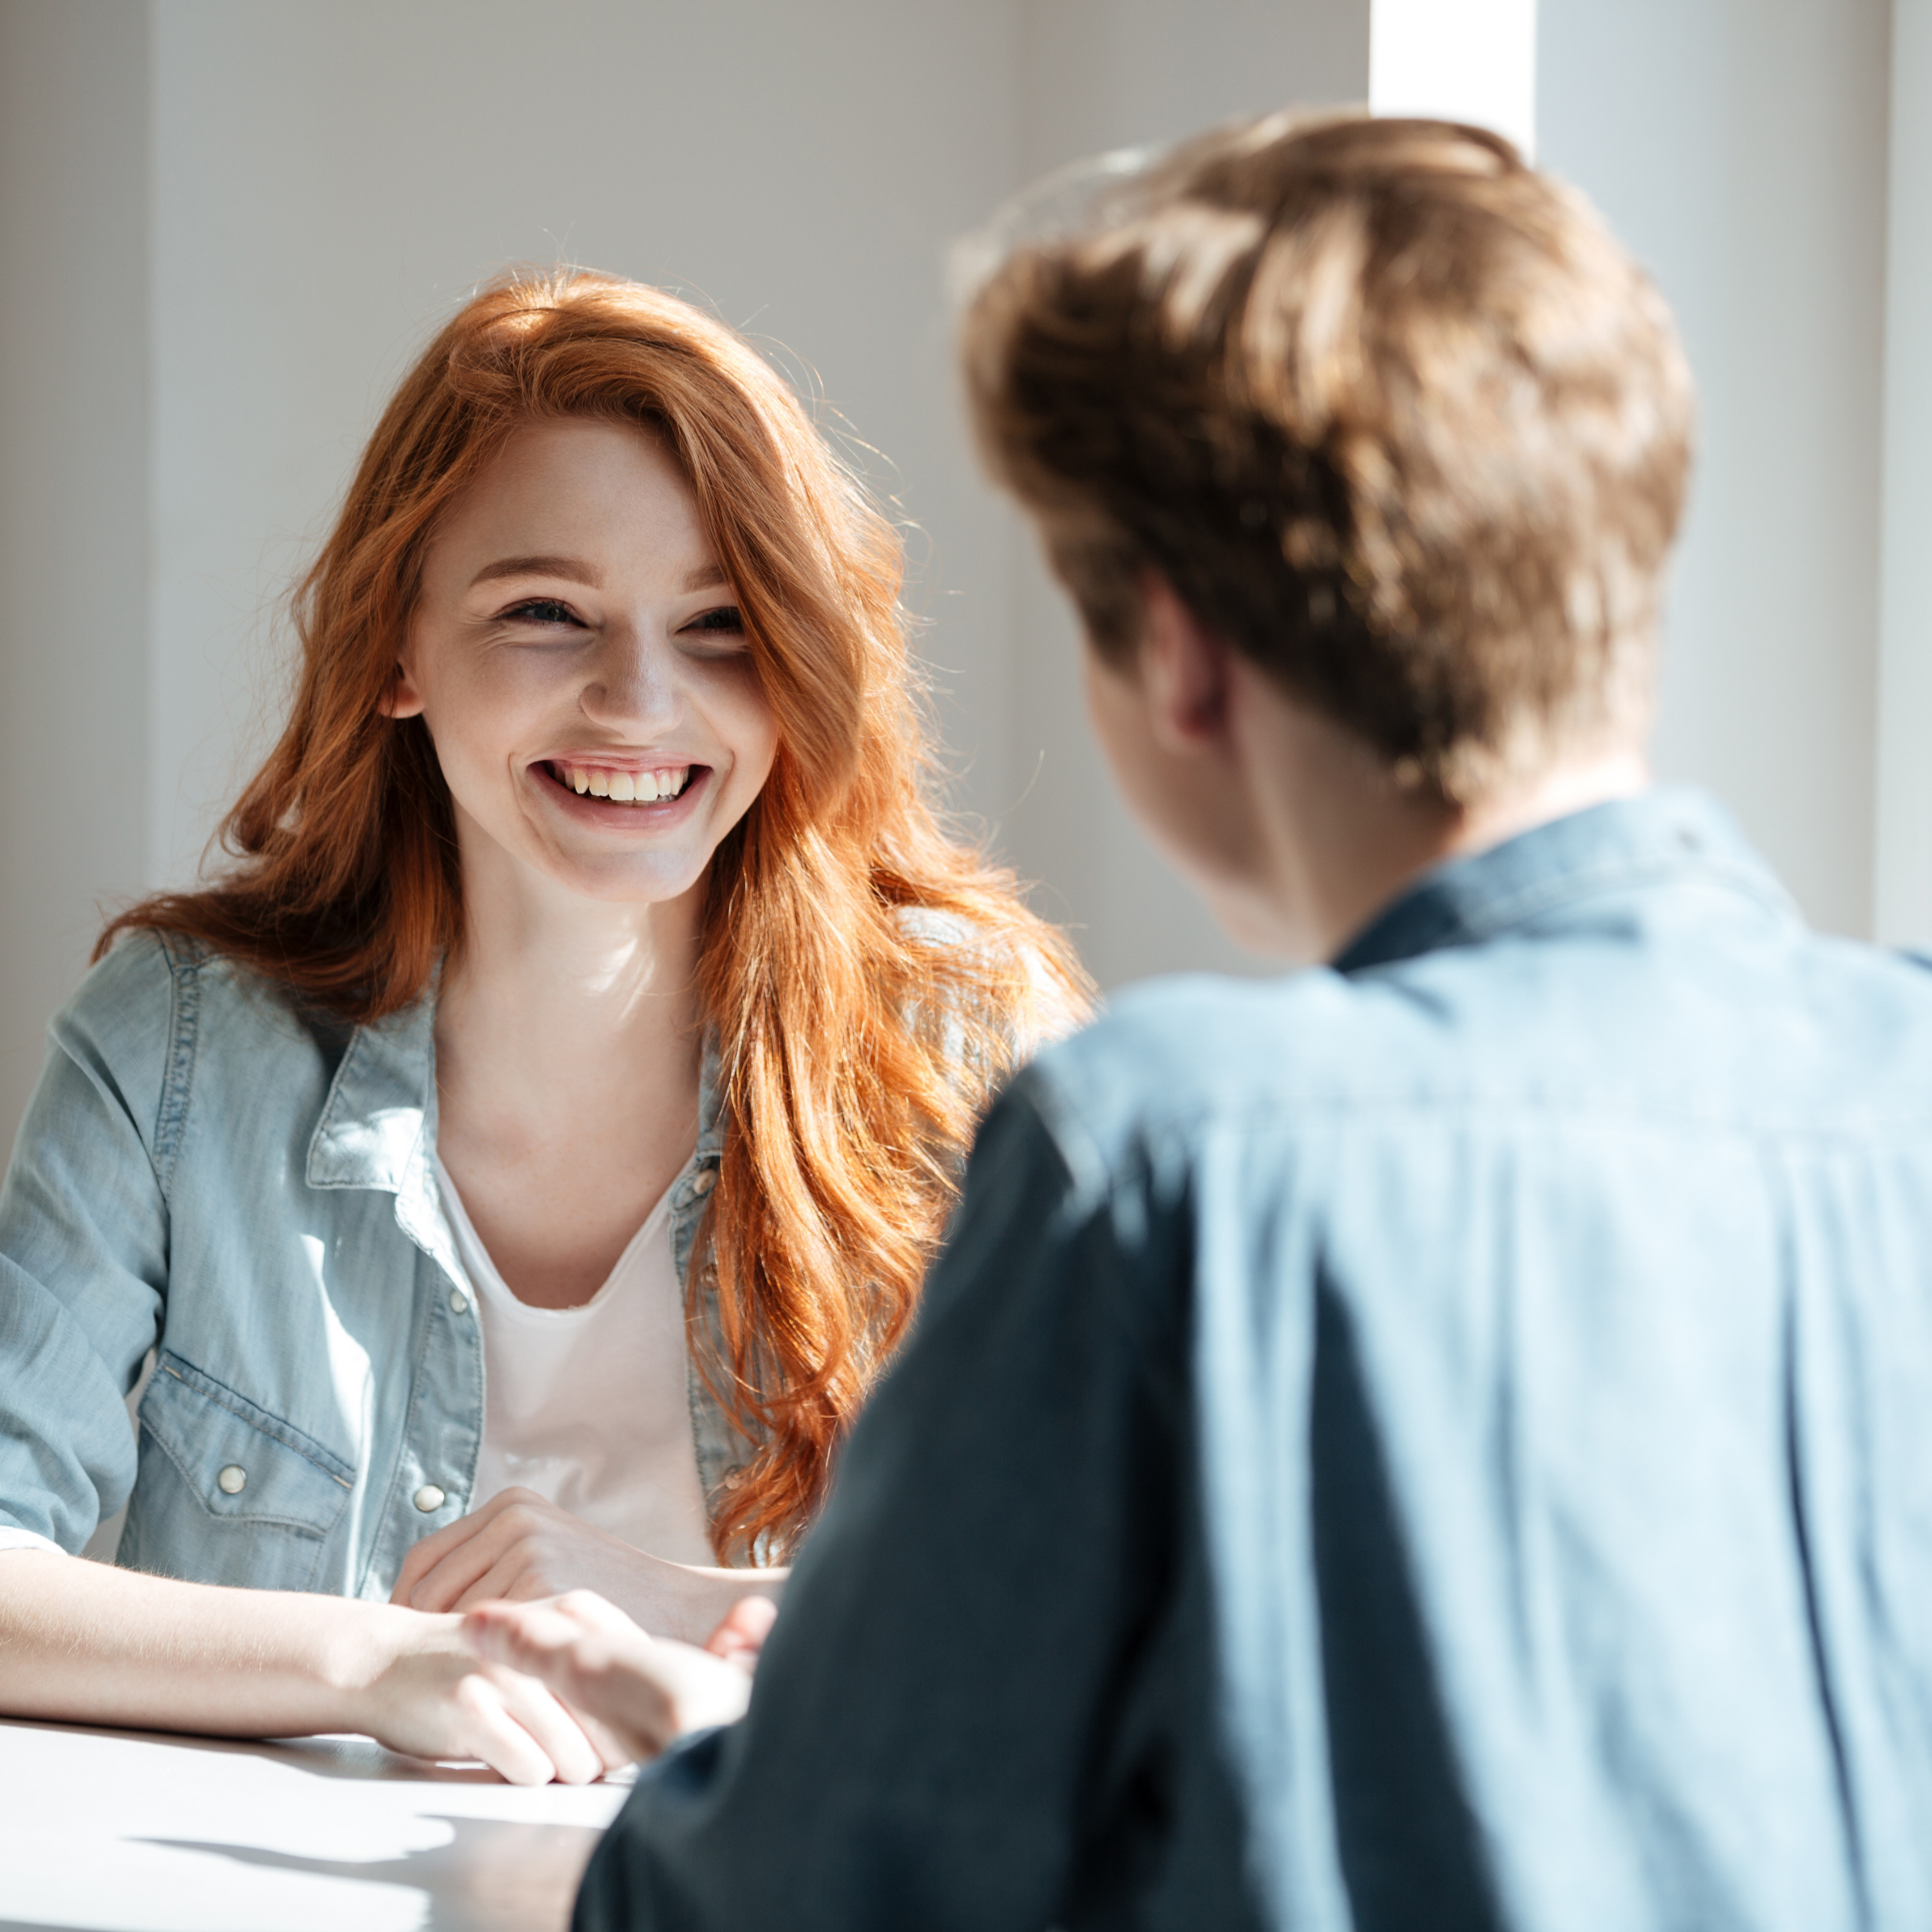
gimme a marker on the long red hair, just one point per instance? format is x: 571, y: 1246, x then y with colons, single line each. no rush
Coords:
x: 858, y: 1046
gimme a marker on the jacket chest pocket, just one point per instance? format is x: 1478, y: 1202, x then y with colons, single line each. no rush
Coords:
x: 227, y: 1492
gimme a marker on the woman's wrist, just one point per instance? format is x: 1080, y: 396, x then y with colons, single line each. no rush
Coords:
x: 364, y: 1652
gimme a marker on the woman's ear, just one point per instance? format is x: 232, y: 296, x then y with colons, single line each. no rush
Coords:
x: 402, y: 700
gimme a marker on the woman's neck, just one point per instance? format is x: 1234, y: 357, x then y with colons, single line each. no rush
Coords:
x: 574, y: 993
x: 568, y: 1054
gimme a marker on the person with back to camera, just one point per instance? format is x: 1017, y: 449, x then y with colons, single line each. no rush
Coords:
x: 597, y: 1002
x: 1439, y: 1439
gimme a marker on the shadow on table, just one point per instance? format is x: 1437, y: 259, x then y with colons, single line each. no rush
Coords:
x: 493, y: 1875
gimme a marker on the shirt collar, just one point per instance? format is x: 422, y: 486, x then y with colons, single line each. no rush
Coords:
x: 1669, y: 833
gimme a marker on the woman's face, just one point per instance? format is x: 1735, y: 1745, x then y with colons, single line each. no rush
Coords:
x: 579, y: 660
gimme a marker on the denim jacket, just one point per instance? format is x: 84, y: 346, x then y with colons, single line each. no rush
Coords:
x: 251, y: 1193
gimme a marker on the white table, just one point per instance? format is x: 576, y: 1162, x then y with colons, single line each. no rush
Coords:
x: 136, y: 1831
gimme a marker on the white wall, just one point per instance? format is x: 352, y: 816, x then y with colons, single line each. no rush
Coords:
x: 73, y: 529
x: 1456, y: 60
x: 1902, y: 911
x: 1739, y: 148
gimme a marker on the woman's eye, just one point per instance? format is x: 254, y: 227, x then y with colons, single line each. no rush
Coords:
x: 540, y: 610
x: 725, y: 619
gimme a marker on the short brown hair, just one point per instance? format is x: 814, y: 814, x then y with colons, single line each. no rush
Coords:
x: 1392, y: 412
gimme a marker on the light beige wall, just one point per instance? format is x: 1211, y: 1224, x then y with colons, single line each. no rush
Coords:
x: 1739, y: 147
x: 74, y: 487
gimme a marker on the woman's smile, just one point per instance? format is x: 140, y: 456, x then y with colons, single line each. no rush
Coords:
x: 624, y: 797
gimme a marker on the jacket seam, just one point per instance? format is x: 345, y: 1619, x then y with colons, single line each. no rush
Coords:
x: 238, y: 1405
x: 178, y: 1076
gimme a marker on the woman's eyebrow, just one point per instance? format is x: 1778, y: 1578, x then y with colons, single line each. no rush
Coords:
x: 573, y: 567
x: 705, y: 577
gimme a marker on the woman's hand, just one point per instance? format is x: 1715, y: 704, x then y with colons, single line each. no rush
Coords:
x: 520, y: 1547
x: 633, y: 1692
x: 431, y: 1696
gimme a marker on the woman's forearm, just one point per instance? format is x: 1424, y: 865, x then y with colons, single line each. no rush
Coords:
x: 83, y: 1642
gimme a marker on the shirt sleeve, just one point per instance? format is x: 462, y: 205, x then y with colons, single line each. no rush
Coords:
x: 935, y: 1728
x: 83, y: 1254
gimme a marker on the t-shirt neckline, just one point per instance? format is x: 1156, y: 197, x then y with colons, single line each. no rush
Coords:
x: 487, y: 1280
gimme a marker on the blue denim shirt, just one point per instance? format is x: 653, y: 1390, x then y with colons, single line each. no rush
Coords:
x: 1443, y: 1441
x: 204, y: 1173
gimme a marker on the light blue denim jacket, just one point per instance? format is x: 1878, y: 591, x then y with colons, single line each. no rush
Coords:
x: 205, y: 1172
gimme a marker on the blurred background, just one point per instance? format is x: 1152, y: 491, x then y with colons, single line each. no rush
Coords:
x: 227, y: 226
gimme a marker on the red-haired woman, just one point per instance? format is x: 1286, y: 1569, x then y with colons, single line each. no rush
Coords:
x: 595, y: 997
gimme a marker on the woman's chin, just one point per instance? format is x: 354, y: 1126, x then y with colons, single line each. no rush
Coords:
x: 633, y: 879
x: 540, y: 863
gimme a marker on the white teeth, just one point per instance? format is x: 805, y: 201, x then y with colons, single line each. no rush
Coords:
x: 627, y: 787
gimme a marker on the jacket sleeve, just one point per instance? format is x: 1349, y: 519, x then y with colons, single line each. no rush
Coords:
x: 928, y: 1739
x: 84, y: 1247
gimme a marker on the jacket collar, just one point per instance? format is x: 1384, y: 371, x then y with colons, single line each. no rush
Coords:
x: 378, y: 1126
x: 381, y: 1109
x: 1664, y: 835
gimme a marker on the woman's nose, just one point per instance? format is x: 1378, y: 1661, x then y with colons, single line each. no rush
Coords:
x: 632, y: 687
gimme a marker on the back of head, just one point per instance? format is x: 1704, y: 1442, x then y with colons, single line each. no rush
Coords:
x: 1393, y: 414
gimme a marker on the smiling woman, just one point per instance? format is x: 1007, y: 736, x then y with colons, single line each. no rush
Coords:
x: 526, y: 1158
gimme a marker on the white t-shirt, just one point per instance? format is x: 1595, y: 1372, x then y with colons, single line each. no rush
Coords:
x: 589, y: 1406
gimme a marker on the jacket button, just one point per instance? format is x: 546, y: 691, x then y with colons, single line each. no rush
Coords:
x: 428, y: 1497
x: 459, y: 1302
x: 232, y: 1481
x: 703, y: 1180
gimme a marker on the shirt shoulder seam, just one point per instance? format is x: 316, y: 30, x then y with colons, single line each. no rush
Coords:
x: 178, y: 1071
